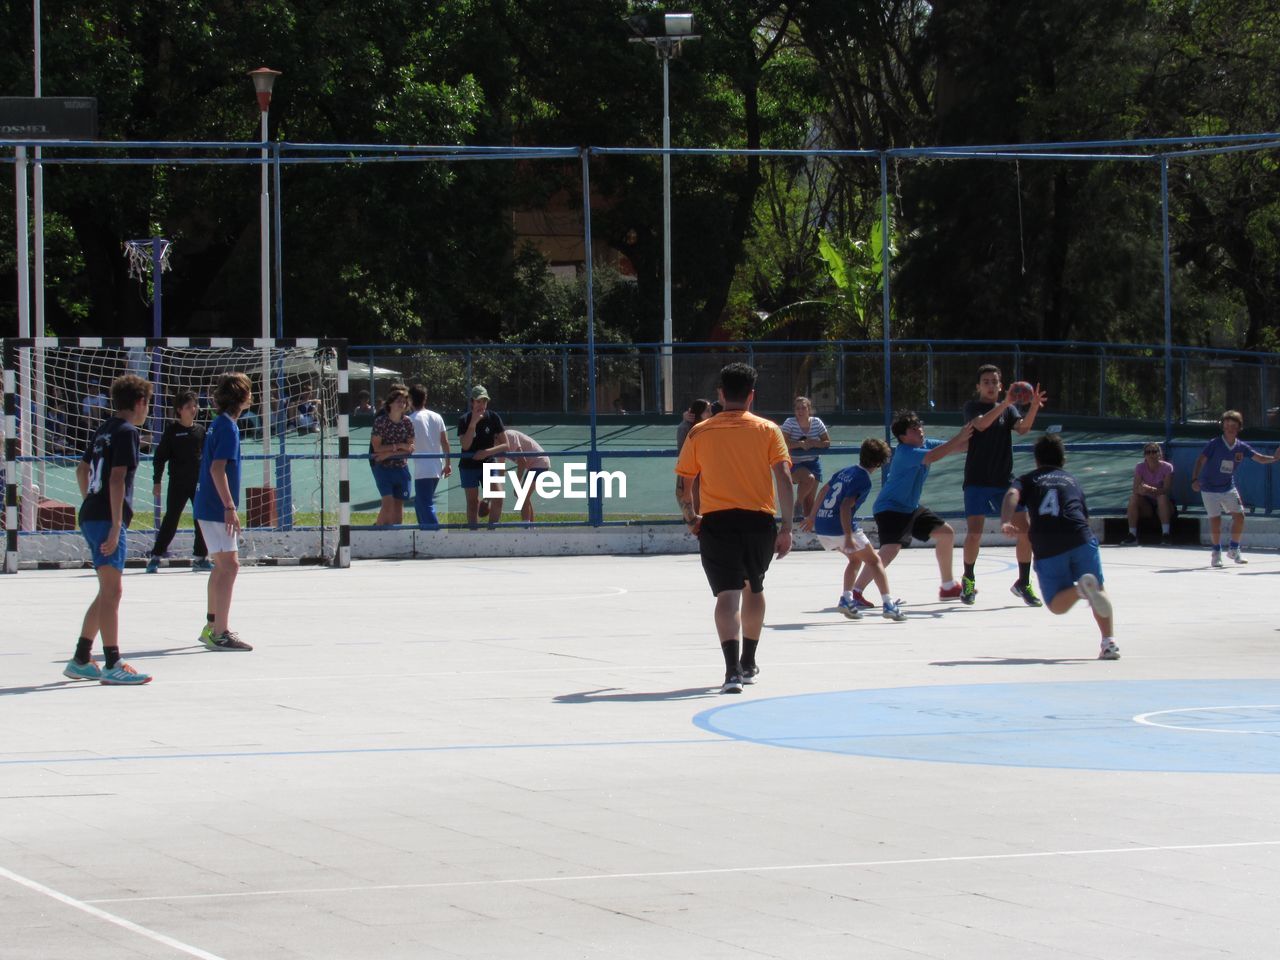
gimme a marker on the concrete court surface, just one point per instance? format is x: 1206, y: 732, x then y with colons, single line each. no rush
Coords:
x: 530, y: 758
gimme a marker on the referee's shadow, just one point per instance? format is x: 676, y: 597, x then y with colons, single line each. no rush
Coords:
x: 1011, y: 661
x: 607, y: 695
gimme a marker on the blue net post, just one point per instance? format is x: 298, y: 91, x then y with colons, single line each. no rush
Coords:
x: 595, y: 503
x: 284, y: 491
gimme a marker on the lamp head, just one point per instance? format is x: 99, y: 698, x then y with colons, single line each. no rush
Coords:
x: 264, y: 79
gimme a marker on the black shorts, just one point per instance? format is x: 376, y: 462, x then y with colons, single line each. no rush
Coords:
x: 895, y: 527
x: 736, y: 546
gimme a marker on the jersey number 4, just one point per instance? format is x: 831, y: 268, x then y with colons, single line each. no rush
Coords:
x: 1049, y: 505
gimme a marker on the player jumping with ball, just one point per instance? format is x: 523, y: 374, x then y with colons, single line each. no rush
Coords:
x: 1067, y: 562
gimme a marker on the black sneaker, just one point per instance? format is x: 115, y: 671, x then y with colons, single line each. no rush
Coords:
x: 1130, y: 540
x: 732, y: 683
x: 749, y: 674
x: 229, y: 641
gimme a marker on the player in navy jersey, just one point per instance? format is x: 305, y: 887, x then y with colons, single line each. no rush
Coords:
x: 1214, y: 477
x: 105, y: 475
x: 988, y: 468
x: 1067, y: 562
x: 179, y: 449
x: 832, y: 519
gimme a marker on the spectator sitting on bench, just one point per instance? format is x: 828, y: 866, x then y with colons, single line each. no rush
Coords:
x: 1152, y: 486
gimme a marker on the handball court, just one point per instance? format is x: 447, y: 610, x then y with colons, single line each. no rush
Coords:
x: 530, y: 758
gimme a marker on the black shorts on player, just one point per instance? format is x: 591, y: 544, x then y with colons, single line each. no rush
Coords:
x: 901, y: 528
x: 736, y: 546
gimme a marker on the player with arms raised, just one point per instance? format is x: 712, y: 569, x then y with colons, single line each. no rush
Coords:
x: 1067, y: 562
x: 988, y: 468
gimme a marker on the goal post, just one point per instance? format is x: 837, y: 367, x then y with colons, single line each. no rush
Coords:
x: 295, y: 494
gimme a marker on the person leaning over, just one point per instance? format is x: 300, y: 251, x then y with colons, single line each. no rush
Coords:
x: 737, y: 458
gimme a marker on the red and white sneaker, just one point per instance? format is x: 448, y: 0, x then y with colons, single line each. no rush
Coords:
x: 952, y: 592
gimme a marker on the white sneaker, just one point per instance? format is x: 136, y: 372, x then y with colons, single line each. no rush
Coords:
x: 1235, y: 555
x: 1217, y: 559
x: 1109, y: 650
x: 1091, y: 590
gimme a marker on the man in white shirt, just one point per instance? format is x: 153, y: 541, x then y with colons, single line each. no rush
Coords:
x: 430, y: 438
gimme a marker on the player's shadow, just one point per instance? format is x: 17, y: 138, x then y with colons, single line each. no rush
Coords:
x: 1011, y: 661
x: 46, y: 687
x: 607, y: 695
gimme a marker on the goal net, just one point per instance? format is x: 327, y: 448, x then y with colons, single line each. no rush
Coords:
x: 294, y: 492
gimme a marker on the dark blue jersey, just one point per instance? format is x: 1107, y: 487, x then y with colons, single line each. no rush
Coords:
x: 851, y: 483
x: 1056, y: 505
x: 115, y: 444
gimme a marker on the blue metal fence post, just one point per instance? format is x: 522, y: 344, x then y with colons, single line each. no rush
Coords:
x: 884, y: 300
x: 1168, y: 302
x: 1102, y: 381
x: 595, y: 507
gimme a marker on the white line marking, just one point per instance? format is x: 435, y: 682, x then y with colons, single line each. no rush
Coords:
x: 1143, y: 718
x: 109, y: 917
x: 712, y: 871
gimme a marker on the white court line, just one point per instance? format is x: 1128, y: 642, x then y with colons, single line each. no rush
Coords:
x: 707, y: 872
x: 109, y: 917
x: 1143, y: 718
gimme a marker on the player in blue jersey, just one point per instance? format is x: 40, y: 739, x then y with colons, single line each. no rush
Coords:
x: 216, y: 503
x: 1066, y: 558
x: 105, y: 475
x: 898, y: 514
x: 1214, y: 477
x: 832, y: 519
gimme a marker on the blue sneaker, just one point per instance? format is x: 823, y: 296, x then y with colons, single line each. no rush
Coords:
x: 849, y: 608
x: 893, y: 612
x: 201, y: 563
x: 75, y: 670
x: 153, y: 565
x: 123, y: 675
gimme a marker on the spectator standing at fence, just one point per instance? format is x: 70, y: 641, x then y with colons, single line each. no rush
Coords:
x: 697, y: 411
x: 738, y: 458
x: 105, y: 475
x: 481, y: 434
x: 431, y: 438
x: 1151, y: 495
x: 988, y: 470
x: 805, y: 435
x: 1214, y: 476
x: 217, y: 508
x: 179, y: 449
x: 898, y: 514
x: 530, y: 460
x: 390, y: 444
x: 363, y: 407
x: 1068, y: 564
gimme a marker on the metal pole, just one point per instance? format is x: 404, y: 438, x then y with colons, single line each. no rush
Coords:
x: 279, y: 200
x: 26, y: 491
x: 264, y: 218
x: 157, y: 257
x: 37, y: 184
x: 668, y: 388
x: 595, y: 508
x: 884, y: 300
x: 1168, y: 302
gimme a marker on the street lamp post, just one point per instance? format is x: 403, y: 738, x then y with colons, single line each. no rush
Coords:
x: 677, y: 28
x: 264, y: 79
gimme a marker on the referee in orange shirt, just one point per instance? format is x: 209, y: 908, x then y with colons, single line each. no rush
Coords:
x: 739, y: 458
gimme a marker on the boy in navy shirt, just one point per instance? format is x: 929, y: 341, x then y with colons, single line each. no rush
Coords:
x: 1067, y: 562
x: 1214, y: 476
x: 105, y: 475
x: 179, y: 450
x: 832, y: 519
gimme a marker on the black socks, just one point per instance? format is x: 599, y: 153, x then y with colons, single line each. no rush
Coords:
x: 84, y: 650
x: 730, y: 650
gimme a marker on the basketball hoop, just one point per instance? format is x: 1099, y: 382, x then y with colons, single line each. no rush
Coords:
x: 143, y: 258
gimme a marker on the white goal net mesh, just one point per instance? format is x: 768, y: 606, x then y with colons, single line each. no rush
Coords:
x: 59, y: 392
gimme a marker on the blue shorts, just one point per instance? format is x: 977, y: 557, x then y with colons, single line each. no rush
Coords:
x: 392, y: 481
x: 986, y: 501
x: 813, y: 466
x: 470, y: 479
x: 95, y: 534
x: 1061, y: 572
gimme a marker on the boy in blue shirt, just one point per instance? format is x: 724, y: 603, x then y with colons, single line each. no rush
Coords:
x: 1214, y: 477
x: 898, y: 514
x: 217, y: 497
x: 832, y: 519
x: 1067, y: 562
x: 105, y: 474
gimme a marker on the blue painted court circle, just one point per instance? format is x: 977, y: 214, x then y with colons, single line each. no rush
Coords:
x: 1188, y: 726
